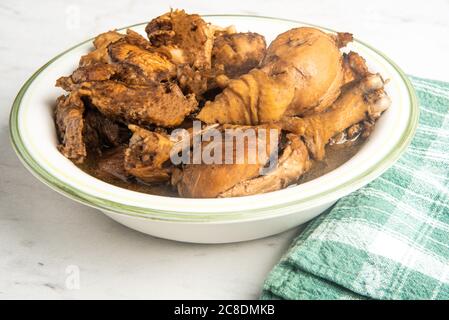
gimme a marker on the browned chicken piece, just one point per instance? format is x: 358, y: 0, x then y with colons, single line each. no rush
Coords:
x: 100, y: 131
x: 235, y: 54
x: 305, y: 58
x: 187, y: 37
x: 209, y: 180
x: 94, y: 72
x: 100, y: 54
x: 94, y: 66
x: 136, y: 39
x: 362, y: 100
x: 315, y: 55
x: 70, y: 127
x: 123, y: 72
x: 192, y: 80
x: 130, y: 59
x: 135, y: 55
x: 354, y: 67
x: 252, y: 99
x: 292, y: 164
x: 97, y: 72
x: 148, y: 155
x: 106, y: 38
x: 220, y: 31
x: 129, y: 92
x: 82, y: 130
x: 343, y: 38
x: 162, y: 105
x: 188, y: 41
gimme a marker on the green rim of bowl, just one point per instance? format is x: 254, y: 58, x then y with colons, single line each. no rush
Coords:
x: 251, y: 214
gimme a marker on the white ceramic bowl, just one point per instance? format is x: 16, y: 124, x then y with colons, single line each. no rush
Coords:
x: 208, y: 220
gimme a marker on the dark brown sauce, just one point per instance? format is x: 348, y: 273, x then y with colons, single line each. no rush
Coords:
x: 108, y: 168
x: 336, y: 155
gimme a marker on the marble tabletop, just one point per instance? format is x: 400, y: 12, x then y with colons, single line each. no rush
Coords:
x: 52, y: 247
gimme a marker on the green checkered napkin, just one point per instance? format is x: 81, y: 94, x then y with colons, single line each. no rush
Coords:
x: 388, y: 240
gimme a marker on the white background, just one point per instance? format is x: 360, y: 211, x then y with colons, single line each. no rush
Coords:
x: 42, y: 233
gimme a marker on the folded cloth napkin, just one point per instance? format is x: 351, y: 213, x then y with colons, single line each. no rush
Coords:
x: 388, y: 240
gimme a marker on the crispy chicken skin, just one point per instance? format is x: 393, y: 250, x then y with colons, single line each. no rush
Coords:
x: 146, y: 155
x: 292, y: 164
x: 210, y: 180
x: 162, y: 105
x: 361, y: 100
x: 305, y: 58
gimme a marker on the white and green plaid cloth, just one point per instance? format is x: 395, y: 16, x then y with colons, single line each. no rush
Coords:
x: 388, y: 240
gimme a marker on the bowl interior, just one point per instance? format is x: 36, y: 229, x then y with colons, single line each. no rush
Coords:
x: 34, y: 137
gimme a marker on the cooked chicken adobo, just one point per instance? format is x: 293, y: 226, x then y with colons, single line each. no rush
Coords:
x: 235, y: 54
x: 161, y: 104
x: 201, y: 111
x: 302, y: 72
x: 204, y: 180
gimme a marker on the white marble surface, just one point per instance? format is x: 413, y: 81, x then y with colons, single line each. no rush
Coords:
x: 42, y: 233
